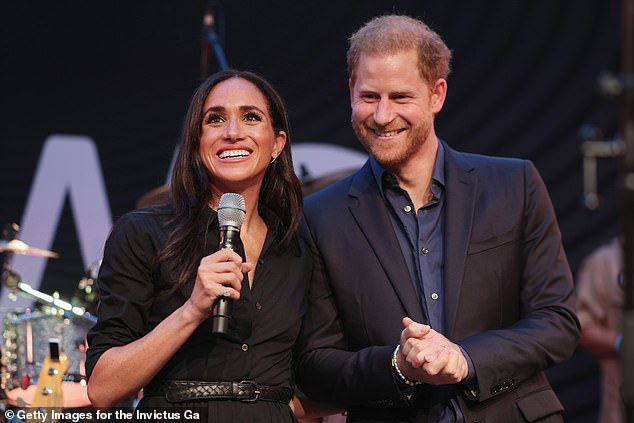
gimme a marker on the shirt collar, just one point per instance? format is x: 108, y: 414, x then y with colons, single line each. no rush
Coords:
x: 382, y: 176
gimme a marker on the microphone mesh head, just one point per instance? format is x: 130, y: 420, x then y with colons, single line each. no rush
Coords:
x: 231, y: 210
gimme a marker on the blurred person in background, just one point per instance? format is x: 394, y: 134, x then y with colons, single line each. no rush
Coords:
x: 600, y: 302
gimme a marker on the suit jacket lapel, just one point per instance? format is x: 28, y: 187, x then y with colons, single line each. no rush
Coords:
x: 461, y: 185
x: 369, y: 210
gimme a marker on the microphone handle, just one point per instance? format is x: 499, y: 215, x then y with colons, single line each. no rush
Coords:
x: 221, y: 315
x: 222, y: 308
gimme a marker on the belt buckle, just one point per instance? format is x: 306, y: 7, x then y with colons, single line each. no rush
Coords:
x: 255, y: 391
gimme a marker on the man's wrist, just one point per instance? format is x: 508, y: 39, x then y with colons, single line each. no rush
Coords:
x: 397, y: 371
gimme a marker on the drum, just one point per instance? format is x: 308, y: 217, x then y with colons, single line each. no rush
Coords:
x: 26, y: 346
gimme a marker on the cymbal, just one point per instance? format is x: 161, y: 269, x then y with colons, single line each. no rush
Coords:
x: 312, y: 185
x: 19, y: 247
x: 154, y: 197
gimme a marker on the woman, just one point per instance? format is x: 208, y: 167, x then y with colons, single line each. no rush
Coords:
x: 162, y: 271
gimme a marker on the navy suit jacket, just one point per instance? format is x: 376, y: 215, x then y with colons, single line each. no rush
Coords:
x: 508, y: 294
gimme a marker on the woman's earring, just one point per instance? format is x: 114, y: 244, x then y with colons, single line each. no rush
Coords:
x: 273, y: 159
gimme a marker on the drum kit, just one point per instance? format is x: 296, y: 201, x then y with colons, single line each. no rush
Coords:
x: 54, y: 330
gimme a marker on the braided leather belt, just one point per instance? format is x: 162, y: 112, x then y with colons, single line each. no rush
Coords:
x: 245, y: 391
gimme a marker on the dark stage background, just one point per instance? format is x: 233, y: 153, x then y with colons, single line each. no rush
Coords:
x: 116, y: 77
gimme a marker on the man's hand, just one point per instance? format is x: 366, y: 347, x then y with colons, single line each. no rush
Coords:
x: 429, y: 357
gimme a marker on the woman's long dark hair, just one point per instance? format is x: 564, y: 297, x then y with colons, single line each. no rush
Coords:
x: 191, y: 182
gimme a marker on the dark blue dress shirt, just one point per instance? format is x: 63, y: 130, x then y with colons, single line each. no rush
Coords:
x: 420, y: 235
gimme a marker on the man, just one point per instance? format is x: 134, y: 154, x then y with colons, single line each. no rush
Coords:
x: 441, y: 289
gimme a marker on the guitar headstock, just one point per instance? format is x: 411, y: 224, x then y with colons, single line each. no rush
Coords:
x: 48, y: 394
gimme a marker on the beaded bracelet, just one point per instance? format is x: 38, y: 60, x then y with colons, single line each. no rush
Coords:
x: 405, y: 379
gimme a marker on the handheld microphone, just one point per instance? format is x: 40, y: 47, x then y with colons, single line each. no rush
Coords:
x: 231, y: 214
